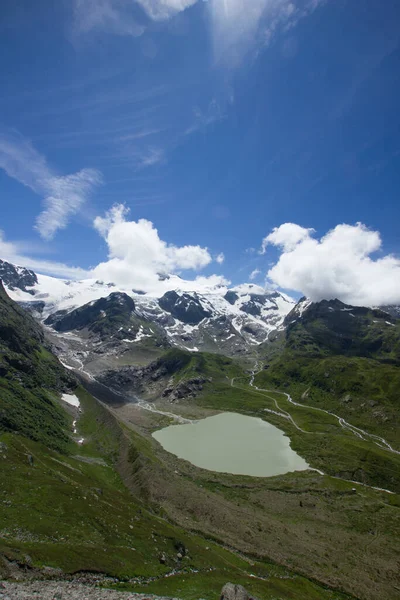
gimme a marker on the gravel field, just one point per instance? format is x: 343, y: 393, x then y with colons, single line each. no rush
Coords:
x: 65, y: 590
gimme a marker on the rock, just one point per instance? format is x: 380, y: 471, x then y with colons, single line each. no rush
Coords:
x: 30, y: 460
x: 163, y: 558
x: 17, y: 277
x: 230, y: 591
x: 184, y: 307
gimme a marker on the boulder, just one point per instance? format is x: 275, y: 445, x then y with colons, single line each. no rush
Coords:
x: 230, y: 591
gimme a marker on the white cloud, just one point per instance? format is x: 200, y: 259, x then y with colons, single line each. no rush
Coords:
x: 236, y: 25
x: 220, y: 258
x: 120, y: 17
x: 137, y: 254
x: 160, y: 10
x: 63, y: 195
x: 113, y: 16
x: 204, y: 118
x: 339, y: 265
x: 254, y: 274
x: 240, y: 24
x: 149, y: 157
x: 13, y: 253
x: 287, y: 235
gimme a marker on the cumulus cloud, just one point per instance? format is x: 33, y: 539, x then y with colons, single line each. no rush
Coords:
x: 338, y: 265
x: 63, y: 195
x: 220, y: 258
x: 138, y: 257
x: 287, y: 236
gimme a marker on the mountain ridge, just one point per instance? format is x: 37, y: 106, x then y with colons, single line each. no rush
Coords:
x: 219, y: 320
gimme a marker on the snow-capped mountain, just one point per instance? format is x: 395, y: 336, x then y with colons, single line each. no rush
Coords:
x: 17, y: 278
x: 218, y: 320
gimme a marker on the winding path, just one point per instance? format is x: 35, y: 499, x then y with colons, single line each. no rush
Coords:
x: 360, y: 433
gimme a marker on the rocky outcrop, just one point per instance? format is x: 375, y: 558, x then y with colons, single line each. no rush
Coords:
x: 185, y: 389
x: 15, y: 277
x: 184, y: 307
x: 231, y: 591
x: 35, y: 308
x: 158, y: 378
x: 231, y: 297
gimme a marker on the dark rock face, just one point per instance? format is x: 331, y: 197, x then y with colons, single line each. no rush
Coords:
x: 132, y: 379
x: 184, y: 307
x: 102, y: 315
x: 185, y: 389
x: 35, y: 308
x: 55, y: 317
x: 255, y: 304
x: 17, y: 277
x: 230, y: 591
x: 258, y: 302
x: 392, y: 310
x: 231, y: 297
x: 252, y: 308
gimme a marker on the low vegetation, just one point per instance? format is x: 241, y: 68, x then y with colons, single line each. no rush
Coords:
x: 31, y: 379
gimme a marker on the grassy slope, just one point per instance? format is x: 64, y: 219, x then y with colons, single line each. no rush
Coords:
x: 347, y: 364
x: 30, y: 379
x: 182, y: 365
x: 90, y: 522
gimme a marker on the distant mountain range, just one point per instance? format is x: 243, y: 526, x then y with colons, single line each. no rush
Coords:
x: 229, y: 321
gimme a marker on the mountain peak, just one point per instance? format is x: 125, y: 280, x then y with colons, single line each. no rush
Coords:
x: 15, y: 277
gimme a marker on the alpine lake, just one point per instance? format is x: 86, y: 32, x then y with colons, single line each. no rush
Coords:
x: 232, y: 443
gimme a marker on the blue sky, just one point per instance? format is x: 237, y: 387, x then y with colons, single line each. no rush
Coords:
x: 215, y: 121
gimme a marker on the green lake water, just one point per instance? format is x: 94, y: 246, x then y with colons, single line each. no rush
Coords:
x: 232, y: 443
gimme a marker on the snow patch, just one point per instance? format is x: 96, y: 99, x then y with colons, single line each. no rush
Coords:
x: 71, y: 399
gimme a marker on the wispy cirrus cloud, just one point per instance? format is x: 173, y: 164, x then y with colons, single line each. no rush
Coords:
x: 236, y: 25
x: 204, y: 118
x: 112, y: 16
x: 159, y: 10
x: 63, y: 195
x: 121, y: 17
x: 254, y: 274
x: 14, y: 252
